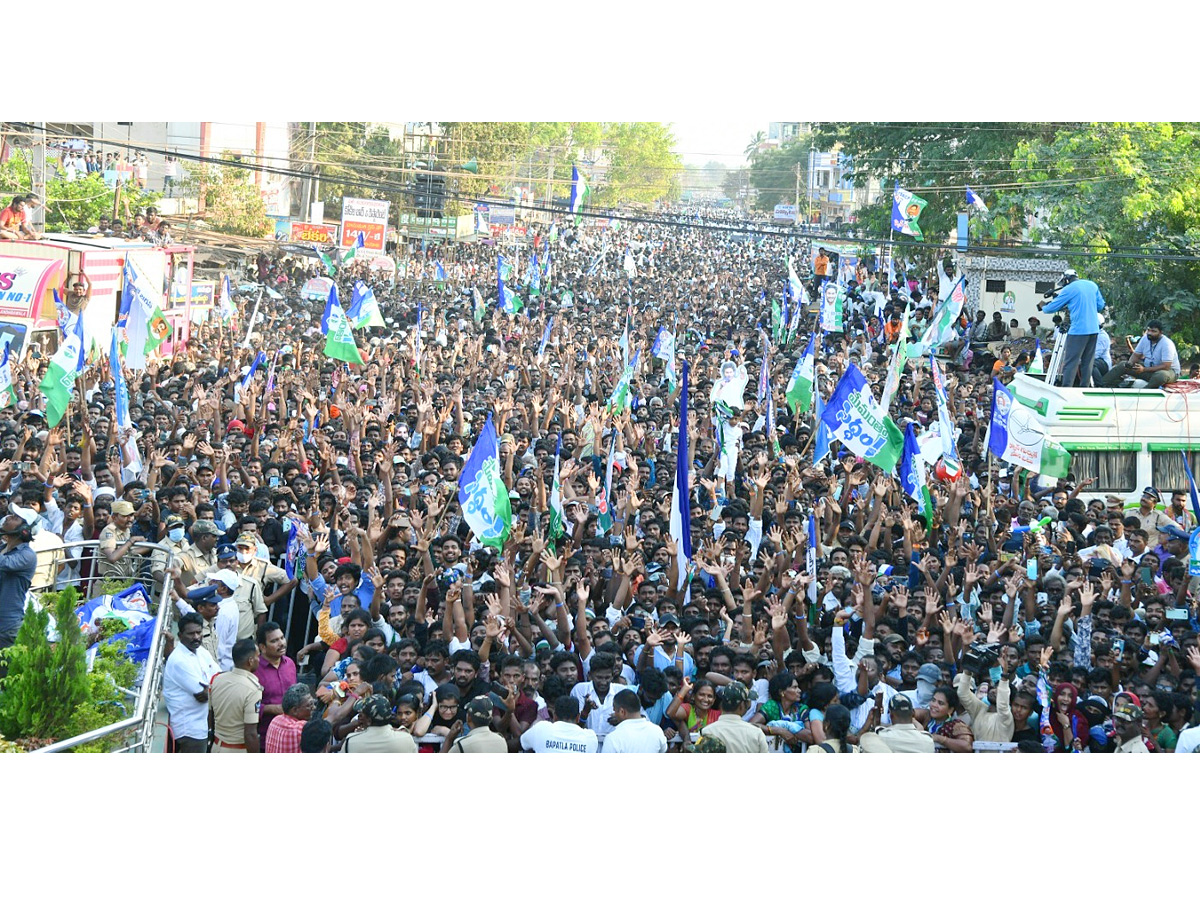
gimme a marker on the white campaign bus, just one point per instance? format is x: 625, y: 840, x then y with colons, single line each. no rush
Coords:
x: 1125, y: 439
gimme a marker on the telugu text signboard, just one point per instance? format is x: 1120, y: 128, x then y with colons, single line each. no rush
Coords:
x: 366, y: 217
x: 308, y: 233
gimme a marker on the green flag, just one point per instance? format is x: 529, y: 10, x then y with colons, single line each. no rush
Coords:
x: 800, y: 386
x: 8, y: 394
x: 327, y: 261
x: 59, y: 380
x: 557, y: 529
x: 339, y: 342
x: 619, y: 401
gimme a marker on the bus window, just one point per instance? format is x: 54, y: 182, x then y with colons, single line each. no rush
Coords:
x: 1115, y: 471
x: 1167, y: 470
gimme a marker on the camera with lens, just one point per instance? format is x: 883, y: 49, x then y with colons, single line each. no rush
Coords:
x: 980, y: 657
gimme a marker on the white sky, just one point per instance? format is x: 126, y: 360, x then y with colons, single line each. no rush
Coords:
x: 704, y: 140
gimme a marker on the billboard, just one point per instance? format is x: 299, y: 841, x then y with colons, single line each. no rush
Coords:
x: 368, y: 217
x: 785, y: 212
x: 308, y: 233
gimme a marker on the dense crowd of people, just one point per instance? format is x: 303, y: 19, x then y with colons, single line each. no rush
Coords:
x: 331, y: 595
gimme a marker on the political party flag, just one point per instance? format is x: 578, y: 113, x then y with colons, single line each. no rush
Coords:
x: 339, y: 339
x: 623, y: 343
x: 799, y: 394
x: 59, y: 380
x: 681, y: 504
x: 941, y: 326
x: 664, y: 349
x: 358, y: 242
x: 794, y: 284
x: 896, y: 368
x: 480, y: 306
x: 764, y: 375
x: 120, y: 387
x: 833, y: 297
x: 8, y: 394
x: 534, y: 276
x: 604, y: 519
x: 439, y: 273
x: 619, y: 401
x: 823, y: 439
x: 482, y: 493
x: 259, y: 359
x: 545, y: 339
x: 1036, y: 365
x: 364, y: 308
x: 326, y: 261
x: 906, y: 209
x: 1017, y: 436
x: 810, y: 558
x: 557, y: 529
x: 225, y: 308
x: 945, y: 421
x: 417, y: 341
x: 973, y: 199
x: 1186, y: 467
x: 629, y: 265
x: 270, y: 386
x: 776, y: 320
x: 507, y: 300
x: 145, y: 326
x: 912, y: 475
x: 553, y: 232
x: 580, y: 194
x: 855, y: 419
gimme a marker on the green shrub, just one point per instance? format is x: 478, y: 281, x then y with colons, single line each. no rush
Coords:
x: 45, y: 682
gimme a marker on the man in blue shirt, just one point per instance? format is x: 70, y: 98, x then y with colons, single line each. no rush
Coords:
x: 17, y: 565
x: 1082, y: 300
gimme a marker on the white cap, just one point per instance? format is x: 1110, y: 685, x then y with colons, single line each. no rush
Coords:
x: 226, y: 577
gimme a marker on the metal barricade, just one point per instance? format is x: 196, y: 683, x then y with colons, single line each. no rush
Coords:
x: 139, y: 727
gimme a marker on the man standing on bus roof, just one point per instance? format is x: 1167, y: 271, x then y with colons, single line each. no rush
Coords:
x: 1155, y: 360
x: 1082, y: 299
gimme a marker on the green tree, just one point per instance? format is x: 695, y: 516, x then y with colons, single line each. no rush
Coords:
x: 642, y: 163
x: 72, y: 205
x: 46, y: 682
x: 935, y: 160
x: 1125, y: 191
x: 232, y: 201
x: 773, y: 175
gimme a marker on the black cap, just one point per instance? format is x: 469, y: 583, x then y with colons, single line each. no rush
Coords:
x: 901, y: 703
x: 668, y: 619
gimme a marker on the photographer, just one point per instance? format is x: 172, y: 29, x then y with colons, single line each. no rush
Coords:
x: 17, y: 565
x: 991, y: 721
x: 1083, y: 301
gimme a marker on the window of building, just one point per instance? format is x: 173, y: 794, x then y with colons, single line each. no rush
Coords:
x: 1043, y: 287
x: 1115, y: 471
x: 994, y: 286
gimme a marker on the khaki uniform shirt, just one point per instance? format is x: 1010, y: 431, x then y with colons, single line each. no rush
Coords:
x: 111, y: 539
x: 897, y: 739
x: 379, y: 739
x: 738, y: 735
x: 480, y: 739
x: 236, y: 697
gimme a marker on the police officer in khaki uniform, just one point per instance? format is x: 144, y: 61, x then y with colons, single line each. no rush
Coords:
x: 379, y: 736
x: 235, y: 700
x: 481, y: 738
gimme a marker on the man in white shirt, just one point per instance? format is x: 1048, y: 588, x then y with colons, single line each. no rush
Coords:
x: 559, y: 733
x: 595, y: 697
x: 186, y: 677
x: 634, y: 733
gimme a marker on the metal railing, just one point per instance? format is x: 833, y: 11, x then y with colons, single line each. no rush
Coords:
x: 138, y: 728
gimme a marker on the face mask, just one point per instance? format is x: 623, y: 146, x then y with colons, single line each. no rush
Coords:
x: 175, y: 534
x: 244, y: 556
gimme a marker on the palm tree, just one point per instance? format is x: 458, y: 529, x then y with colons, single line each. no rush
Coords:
x: 751, y: 150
